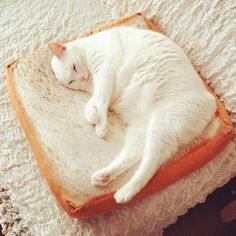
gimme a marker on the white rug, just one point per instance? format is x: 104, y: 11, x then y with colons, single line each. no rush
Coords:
x: 205, y: 30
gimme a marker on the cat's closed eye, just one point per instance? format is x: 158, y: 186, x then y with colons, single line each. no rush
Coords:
x: 71, y: 82
x: 74, y: 68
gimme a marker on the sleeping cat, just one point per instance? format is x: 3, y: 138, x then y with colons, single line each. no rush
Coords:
x: 146, y: 78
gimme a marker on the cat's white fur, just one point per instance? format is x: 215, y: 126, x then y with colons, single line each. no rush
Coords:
x: 147, y: 78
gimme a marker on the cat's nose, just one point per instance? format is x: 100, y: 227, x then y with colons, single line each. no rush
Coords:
x: 83, y: 79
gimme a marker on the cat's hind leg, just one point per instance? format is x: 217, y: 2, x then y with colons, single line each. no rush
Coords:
x: 128, y: 157
x: 172, y: 124
x: 160, y: 144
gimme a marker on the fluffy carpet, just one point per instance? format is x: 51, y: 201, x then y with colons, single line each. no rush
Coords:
x: 205, y: 30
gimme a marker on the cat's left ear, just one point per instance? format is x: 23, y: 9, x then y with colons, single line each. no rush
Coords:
x: 57, y: 49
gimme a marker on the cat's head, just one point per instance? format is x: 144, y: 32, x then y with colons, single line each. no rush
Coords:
x: 68, y: 66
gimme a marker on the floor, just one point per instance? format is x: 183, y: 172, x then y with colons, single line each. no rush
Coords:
x: 204, y: 219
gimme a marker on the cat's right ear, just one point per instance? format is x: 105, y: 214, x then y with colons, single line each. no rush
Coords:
x: 57, y: 49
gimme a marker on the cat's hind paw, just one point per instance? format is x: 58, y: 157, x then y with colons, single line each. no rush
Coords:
x: 101, y: 178
x: 124, y: 194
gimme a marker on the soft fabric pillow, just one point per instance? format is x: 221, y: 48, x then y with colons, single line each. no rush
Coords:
x: 66, y: 147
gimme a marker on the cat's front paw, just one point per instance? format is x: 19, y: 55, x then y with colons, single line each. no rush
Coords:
x: 125, y: 194
x: 101, y: 178
x: 101, y: 130
x: 91, y: 114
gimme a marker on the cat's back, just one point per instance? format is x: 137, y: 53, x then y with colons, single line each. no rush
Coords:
x: 128, y: 34
x: 134, y: 38
x: 154, y: 68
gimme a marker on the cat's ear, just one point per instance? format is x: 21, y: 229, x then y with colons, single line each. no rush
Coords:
x: 57, y: 49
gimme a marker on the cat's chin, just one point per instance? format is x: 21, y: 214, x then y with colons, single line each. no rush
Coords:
x: 82, y: 90
x: 87, y: 88
x: 78, y: 90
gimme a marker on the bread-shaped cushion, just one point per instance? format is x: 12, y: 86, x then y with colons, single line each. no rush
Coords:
x: 67, y: 148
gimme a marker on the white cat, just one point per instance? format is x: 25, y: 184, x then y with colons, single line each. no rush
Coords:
x: 147, y: 78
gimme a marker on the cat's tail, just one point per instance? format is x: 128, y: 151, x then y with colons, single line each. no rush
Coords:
x: 212, y: 128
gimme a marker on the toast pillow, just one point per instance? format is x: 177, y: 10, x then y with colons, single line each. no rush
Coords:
x: 66, y: 147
